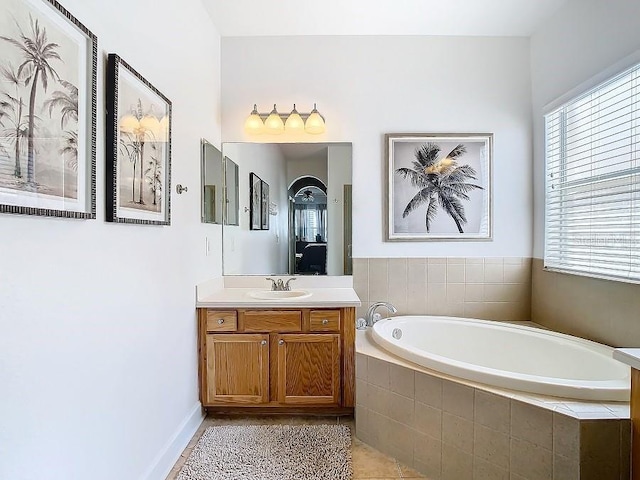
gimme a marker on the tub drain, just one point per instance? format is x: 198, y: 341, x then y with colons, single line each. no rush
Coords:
x: 397, y: 333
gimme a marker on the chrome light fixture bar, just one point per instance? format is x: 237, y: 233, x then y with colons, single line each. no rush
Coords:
x: 275, y: 123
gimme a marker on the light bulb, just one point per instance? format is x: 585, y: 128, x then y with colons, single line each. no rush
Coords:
x: 253, y: 124
x: 274, y: 124
x: 315, y: 123
x: 294, y: 123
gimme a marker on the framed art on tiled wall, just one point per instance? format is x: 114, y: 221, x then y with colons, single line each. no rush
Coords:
x: 48, y: 71
x: 438, y: 186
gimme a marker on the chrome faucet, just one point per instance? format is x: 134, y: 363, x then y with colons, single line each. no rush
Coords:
x: 372, y: 317
x: 279, y: 285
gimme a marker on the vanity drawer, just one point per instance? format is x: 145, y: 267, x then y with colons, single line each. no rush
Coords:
x: 272, y: 321
x: 218, y: 321
x: 324, y: 320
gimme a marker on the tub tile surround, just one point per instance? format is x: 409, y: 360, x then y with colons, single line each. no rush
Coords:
x: 456, y: 429
x: 486, y: 288
x: 601, y: 310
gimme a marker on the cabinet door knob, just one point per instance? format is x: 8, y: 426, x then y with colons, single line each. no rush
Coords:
x: 325, y: 321
x: 263, y: 342
x: 220, y: 321
x: 280, y: 342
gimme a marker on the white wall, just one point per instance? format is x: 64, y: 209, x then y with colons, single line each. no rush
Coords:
x: 585, y: 41
x: 301, y: 167
x: 369, y: 86
x: 98, y: 368
x: 258, y: 252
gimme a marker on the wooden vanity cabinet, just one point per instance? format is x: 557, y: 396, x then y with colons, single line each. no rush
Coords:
x: 284, y: 360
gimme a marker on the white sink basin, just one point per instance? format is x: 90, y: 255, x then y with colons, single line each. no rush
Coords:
x: 279, y: 295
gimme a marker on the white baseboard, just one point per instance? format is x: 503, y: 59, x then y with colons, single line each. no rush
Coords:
x: 166, y: 459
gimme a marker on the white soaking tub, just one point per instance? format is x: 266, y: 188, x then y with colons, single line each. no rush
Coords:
x: 506, y: 355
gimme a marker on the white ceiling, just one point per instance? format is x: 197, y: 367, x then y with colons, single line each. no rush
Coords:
x: 379, y: 17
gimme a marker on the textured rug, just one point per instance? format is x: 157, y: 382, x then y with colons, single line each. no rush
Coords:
x: 271, y: 452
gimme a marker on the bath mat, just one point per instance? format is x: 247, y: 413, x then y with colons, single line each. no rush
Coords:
x: 271, y: 452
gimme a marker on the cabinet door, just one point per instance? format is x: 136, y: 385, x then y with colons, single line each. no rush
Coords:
x: 309, y: 369
x: 237, y: 368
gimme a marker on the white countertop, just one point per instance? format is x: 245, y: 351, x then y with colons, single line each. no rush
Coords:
x: 234, y: 292
x: 629, y: 356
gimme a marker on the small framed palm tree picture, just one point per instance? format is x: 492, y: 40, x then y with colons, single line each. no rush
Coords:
x: 138, y: 144
x: 439, y: 186
x: 48, y: 72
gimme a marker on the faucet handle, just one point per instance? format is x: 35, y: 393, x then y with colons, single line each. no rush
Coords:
x: 273, y: 283
x: 287, y: 286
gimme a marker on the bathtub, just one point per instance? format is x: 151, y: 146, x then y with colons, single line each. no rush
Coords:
x: 506, y: 355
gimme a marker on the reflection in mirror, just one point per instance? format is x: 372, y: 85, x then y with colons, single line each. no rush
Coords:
x: 309, y: 210
x: 231, y: 179
x: 212, y: 183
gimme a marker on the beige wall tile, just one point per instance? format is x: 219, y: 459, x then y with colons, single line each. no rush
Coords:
x: 428, y: 420
x: 361, y: 416
x: 517, y: 273
x: 362, y: 392
x: 437, y: 261
x: 455, y: 273
x: 456, y: 464
x: 378, y: 279
x: 474, y: 261
x: 397, y: 277
x: 493, y: 411
x: 474, y: 273
x: 427, y: 455
x: 530, y: 461
x: 378, y: 372
x: 491, y: 446
x: 455, y: 309
x: 361, y: 278
x: 455, y: 292
x: 599, y: 449
x: 401, y: 380
x: 457, y: 399
x: 493, y: 272
x: 401, y: 409
x: 487, y: 471
x: 437, y: 273
x: 361, y: 366
x: 566, y: 436
x: 416, y: 285
x: 455, y: 260
x: 474, y: 292
x: 457, y: 432
x: 566, y: 468
x: 378, y: 400
x: 531, y: 423
x: 428, y: 389
x: 436, y: 297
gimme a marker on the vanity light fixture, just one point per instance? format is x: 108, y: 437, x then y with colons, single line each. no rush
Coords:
x: 276, y: 123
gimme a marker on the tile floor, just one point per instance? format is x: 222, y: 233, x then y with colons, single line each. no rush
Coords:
x: 368, y: 463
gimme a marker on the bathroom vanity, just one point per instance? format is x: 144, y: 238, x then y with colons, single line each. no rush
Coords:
x: 280, y: 355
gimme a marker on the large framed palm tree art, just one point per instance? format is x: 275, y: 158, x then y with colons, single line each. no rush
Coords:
x: 48, y: 72
x: 439, y: 186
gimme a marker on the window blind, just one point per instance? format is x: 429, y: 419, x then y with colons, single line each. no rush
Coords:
x: 592, y: 198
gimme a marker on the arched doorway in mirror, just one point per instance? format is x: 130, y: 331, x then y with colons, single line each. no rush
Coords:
x: 308, y: 226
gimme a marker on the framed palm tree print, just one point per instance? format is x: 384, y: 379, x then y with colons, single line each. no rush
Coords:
x: 439, y: 186
x: 255, y: 202
x: 138, y: 146
x: 48, y: 72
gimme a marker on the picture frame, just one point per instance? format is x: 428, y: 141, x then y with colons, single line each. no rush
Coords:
x: 138, y: 148
x: 264, y: 205
x: 438, y: 186
x: 255, y: 199
x: 48, y: 107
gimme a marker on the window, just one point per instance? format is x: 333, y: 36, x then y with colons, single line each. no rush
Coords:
x: 592, y: 201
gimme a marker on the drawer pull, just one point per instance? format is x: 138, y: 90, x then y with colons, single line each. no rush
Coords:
x: 263, y: 342
x: 220, y: 321
x: 325, y: 321
x: 280, y: 342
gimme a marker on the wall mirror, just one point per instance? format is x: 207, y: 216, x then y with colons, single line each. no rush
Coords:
x: 213, y: 184
x: 308, y: 228
x: 231, y: 179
